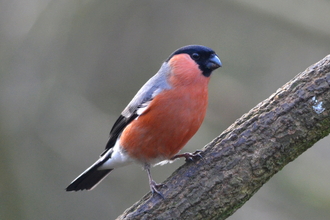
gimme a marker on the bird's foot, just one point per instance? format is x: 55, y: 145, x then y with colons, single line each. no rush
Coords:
x: 154, y: 188
x: 189, y: 156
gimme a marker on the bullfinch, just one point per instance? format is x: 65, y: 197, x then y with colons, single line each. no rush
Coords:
x: 165, y: 113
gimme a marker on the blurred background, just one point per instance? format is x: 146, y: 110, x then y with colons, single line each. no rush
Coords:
x: 69, y: 67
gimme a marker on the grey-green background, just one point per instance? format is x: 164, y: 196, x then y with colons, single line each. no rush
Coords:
x: 69, y: 67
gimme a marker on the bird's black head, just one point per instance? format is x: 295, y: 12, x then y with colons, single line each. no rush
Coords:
x: 205, y: 57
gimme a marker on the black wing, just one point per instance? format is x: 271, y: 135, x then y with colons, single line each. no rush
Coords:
x: 139, y: 104
x: 116, y: 130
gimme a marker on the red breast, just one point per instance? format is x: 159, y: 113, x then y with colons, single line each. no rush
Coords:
x: 172, y: 117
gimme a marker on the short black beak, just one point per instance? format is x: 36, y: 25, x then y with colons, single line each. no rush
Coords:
x: 214, y: 62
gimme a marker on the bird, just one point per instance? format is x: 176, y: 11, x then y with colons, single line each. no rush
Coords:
x: 160, y: 119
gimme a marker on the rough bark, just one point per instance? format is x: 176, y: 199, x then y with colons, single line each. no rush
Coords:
x: 247, y: 154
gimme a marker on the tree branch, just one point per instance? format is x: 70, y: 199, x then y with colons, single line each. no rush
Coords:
x: 246, y: 155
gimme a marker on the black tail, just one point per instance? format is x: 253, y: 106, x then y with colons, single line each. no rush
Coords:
x: 89, y: 178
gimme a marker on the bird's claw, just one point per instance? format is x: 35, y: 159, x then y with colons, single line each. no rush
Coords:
x: 154, y: 188
x: 189, y: 156
x: 193, y: 156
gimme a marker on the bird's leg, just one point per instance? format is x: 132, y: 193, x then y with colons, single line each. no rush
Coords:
x: 153, y: 185
x: 189, y: 156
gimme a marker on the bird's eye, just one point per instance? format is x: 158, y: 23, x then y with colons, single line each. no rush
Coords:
x: 195, y: 56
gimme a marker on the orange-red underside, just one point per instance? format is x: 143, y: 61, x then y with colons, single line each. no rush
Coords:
x: 172, y: 117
